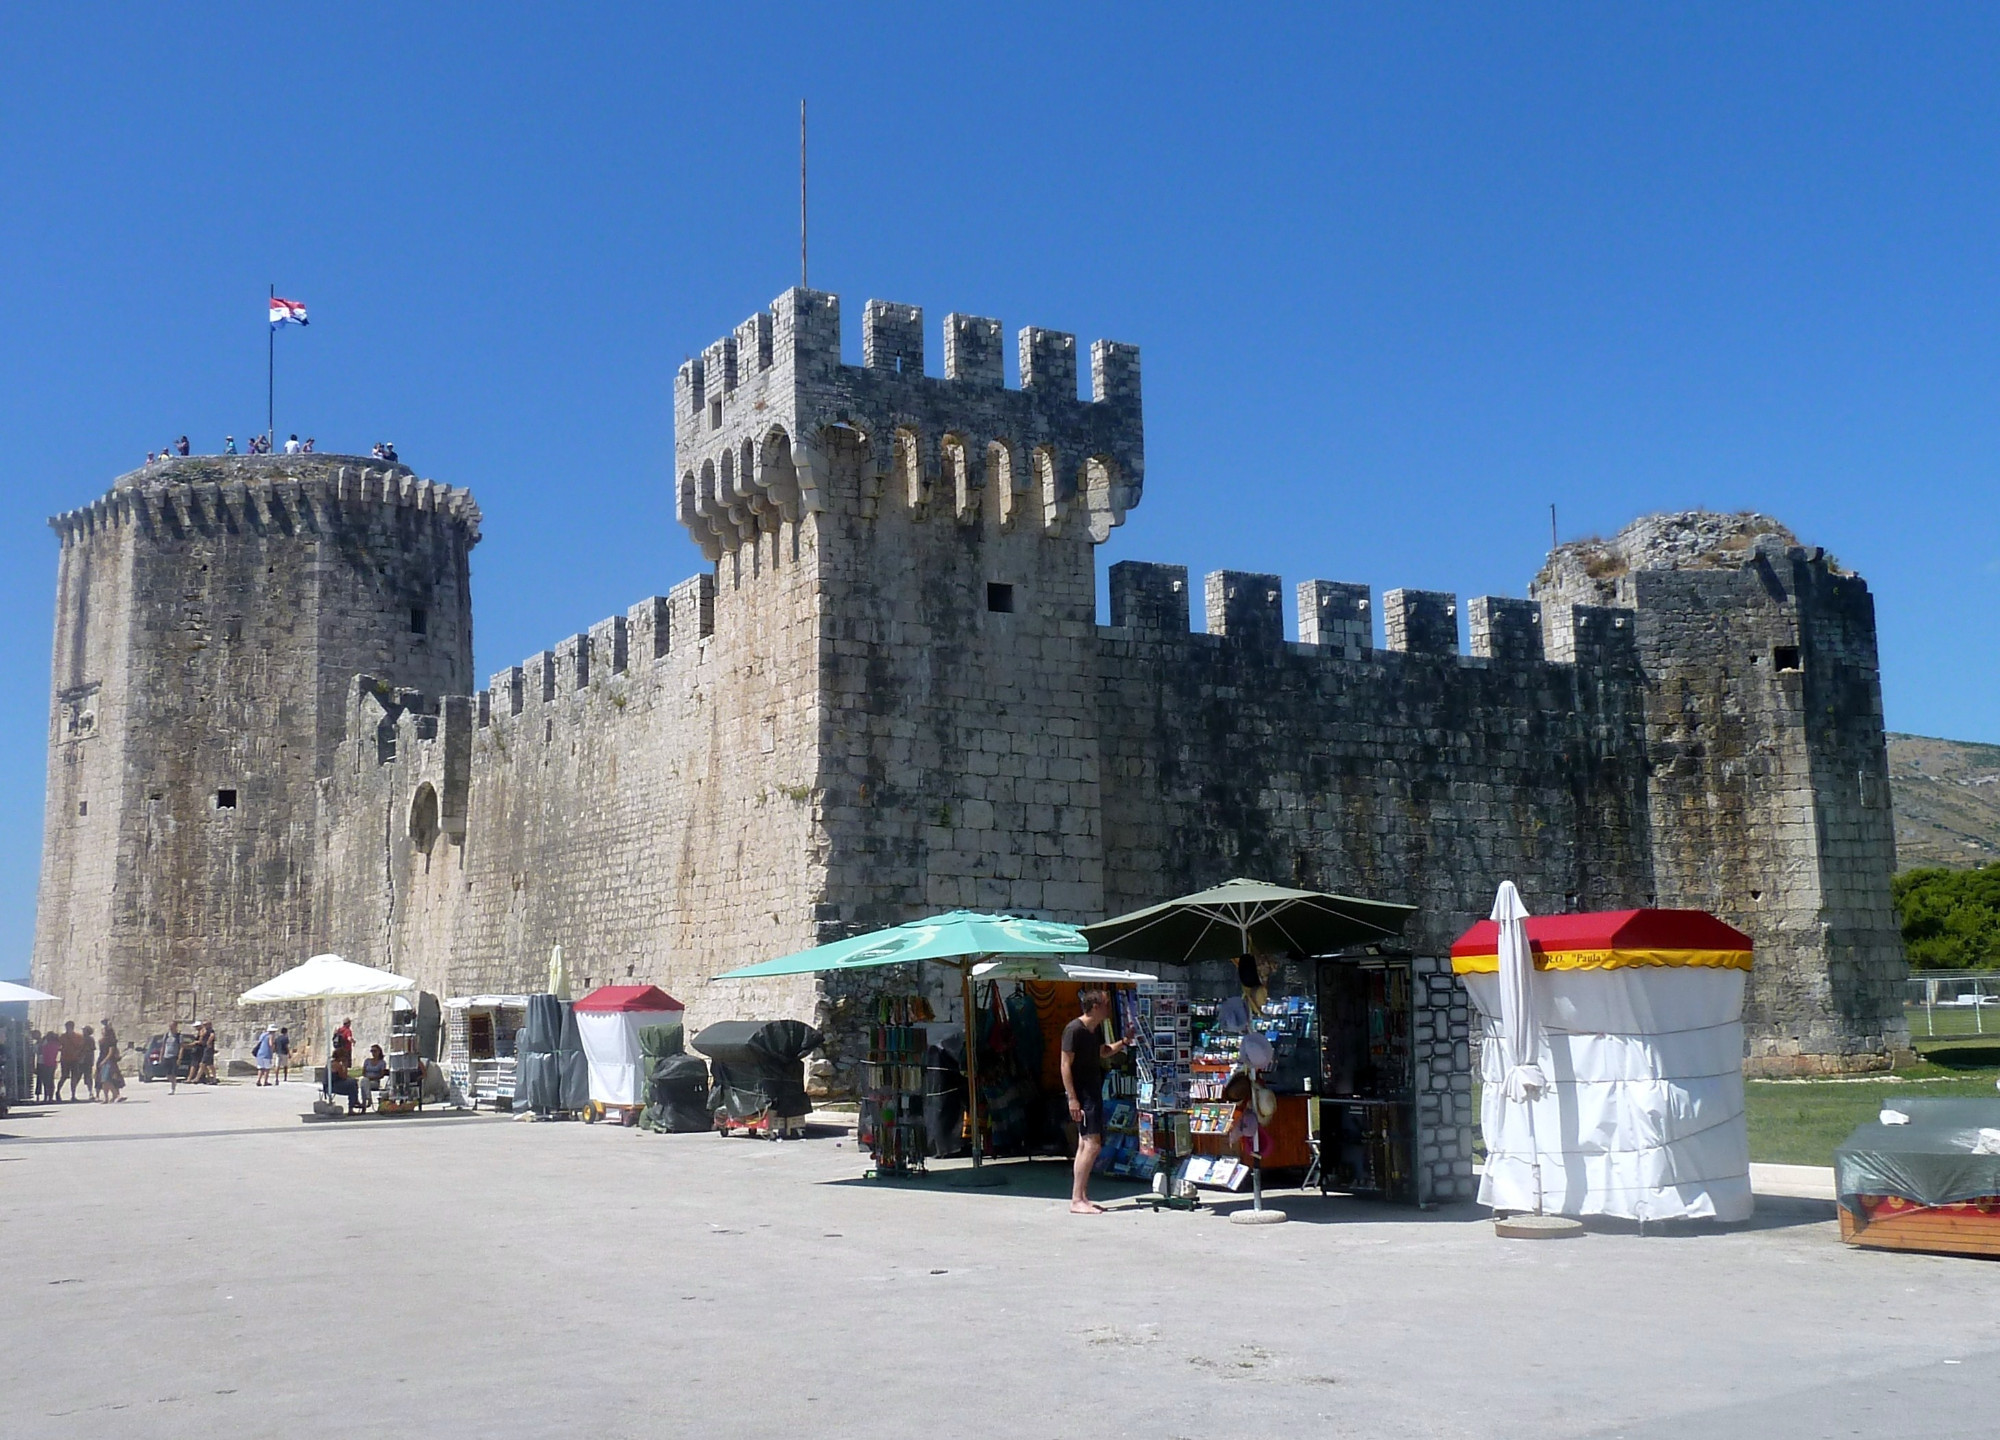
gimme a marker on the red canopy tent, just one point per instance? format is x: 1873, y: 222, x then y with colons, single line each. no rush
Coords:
x: 628, y: 998
x: 1611, y: 940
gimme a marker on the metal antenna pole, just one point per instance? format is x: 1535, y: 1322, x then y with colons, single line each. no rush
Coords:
x: 803, y: 285
x: 1553, y: 542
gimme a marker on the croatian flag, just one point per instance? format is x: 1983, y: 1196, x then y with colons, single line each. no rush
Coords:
x: 285, y: 312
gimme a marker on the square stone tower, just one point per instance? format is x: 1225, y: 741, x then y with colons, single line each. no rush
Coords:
x: 936, y: 535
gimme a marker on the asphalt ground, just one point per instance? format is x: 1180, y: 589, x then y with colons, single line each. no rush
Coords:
x: 204, y: 1264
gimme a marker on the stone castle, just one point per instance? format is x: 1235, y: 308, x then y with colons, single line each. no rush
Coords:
x: 891, y: 696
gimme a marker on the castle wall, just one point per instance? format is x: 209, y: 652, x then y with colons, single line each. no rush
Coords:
x: 643, y: 795
x: 1424, y: 777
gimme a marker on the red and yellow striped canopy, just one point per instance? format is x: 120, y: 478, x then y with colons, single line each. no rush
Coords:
x: 1611, y: 940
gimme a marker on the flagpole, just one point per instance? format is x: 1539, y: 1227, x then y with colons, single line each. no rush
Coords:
x: 803, y: 285
x: 270, y: 368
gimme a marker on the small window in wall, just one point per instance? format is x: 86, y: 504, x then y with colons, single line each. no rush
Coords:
x: 420, y: 621
x: 225, y: 799
x: 1785, y: 657
x: 83, y: 807
x: 1000, y: 599
x: 715, y: 414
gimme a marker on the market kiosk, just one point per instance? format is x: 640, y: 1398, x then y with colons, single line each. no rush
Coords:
x: 480, y: 1047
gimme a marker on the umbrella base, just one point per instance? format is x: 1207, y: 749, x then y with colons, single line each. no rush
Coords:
x: 1536, y: 1227
x: 1257, y: 1217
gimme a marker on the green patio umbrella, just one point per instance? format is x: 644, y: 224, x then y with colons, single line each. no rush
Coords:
x: 1244, y: 917
x: 958, y: 939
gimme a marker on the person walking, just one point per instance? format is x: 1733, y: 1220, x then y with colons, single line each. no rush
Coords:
x: 71, y: 1051
x: 343, y: 1040
x: 47, y: 1056
x: 175, y: 1044
x: 281, y: 1051
x: 204, y: 1060
x: 262, y: 1055
x: 229, y: 444
x: 1083, y: 1055
x: 110, y: 1078
x: 87, y: 1055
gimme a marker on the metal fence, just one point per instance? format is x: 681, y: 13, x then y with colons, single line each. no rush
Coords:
x: 1958, y: 1002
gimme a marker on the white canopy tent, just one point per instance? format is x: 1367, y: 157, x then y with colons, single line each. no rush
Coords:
x: 608, y: 1020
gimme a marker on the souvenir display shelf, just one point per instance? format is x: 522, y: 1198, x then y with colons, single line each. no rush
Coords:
x: 892, y: 1106
x: 1367, y: 1113
x: 1158, y: 1017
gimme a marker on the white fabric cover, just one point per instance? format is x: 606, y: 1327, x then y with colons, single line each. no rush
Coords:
x: 326, y: 977
x: 611, y: 1048
x: 1643, y: 1115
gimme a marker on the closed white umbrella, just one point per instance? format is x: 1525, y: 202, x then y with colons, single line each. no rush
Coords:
x: 1520, y: 1028
x: 326, y: 977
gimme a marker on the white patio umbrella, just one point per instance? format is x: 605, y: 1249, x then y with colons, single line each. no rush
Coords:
x: 1520, y: 1028
x: 326, y: 977
x: 10, y: 993
x: 1043, y: 967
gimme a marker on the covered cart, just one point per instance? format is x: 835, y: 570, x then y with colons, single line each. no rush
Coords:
x: 1925, y: 1175
x: 609, y: 1020
x: 1638, y: 1106
x: 759, y: 1075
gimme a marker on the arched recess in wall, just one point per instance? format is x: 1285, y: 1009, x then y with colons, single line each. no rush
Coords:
x: 1101, y: 480
x: 959, y: 476
x: 910, y: 468
x: 708, y: 485
x: 849, y: 456
x: 1002, y: 505
x: 778, y: 476
x: 685, y: 506
x: 424, y: 828
x: 1048, y: 489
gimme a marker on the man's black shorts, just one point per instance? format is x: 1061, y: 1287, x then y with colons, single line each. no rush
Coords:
x: 1093, y: 1116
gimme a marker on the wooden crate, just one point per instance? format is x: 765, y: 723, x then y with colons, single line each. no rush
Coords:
x: 1950, y: 1230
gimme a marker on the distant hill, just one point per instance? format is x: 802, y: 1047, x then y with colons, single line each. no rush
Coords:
x: 1947, y: 798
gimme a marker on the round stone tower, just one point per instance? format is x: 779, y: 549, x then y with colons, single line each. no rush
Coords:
x: 211, y: 613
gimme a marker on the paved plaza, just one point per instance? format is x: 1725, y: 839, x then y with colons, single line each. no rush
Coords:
x: 204, y: 1264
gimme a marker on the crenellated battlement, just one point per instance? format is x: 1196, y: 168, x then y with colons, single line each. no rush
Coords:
x: 204, y: 494
x: 649, y: 632
x: 1247, y: 610
x: 760, y: 413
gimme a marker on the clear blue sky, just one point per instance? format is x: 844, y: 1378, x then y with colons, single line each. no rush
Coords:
x: 1402, y: 277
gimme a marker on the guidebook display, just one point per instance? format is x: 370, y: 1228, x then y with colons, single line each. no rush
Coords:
x: 892, y: 1107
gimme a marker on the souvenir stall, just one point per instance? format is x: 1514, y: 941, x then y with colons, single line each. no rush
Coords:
x: 608, y: 1022
x: 481, y: 1034
x: 1626, y: 1096
x: 1247, y: 1044
x: 899, y: 1090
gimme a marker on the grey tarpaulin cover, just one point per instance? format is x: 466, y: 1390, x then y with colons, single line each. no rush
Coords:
x: 759, y: 1065
x: 1930, y: 1161
x: 550, y: 1073
x: 678, y: 1092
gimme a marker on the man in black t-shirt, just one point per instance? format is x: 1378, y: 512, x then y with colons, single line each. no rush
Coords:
x: 1083, y: 1055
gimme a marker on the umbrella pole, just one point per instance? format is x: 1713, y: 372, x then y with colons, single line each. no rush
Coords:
x: 1257, y: 1143
x: 971, y: 1056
